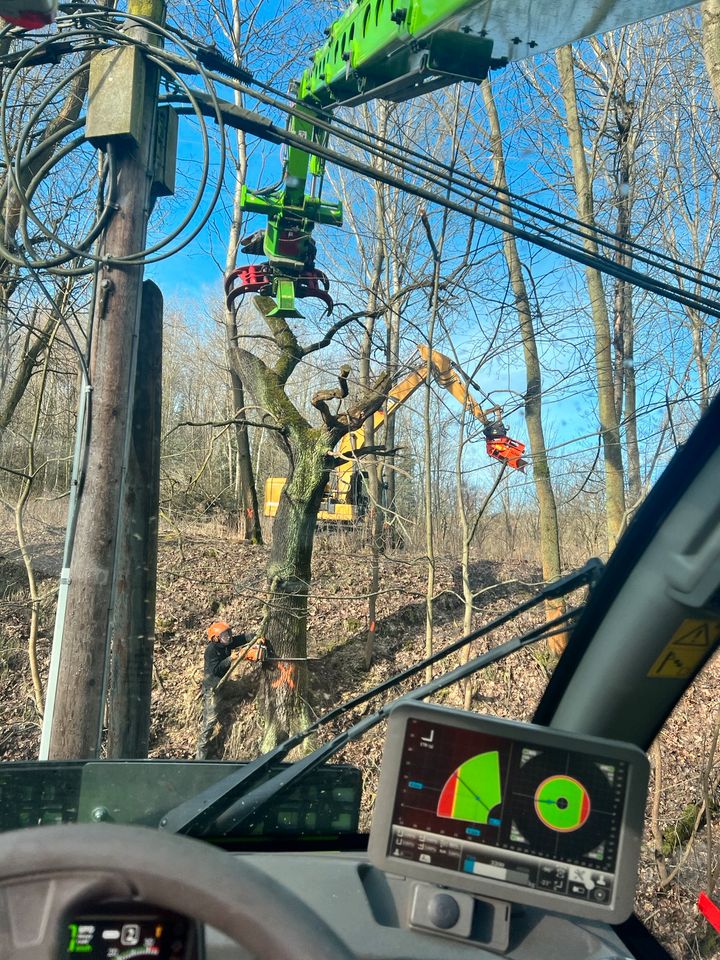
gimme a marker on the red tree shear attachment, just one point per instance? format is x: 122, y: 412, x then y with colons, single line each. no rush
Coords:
x: 259, y: 278
x: 501, y: 447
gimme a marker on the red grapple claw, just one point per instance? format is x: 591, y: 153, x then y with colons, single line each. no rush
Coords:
x: 254, y: 278
x: 507, y: 451
x: 314, y: 283
x: 258, y: 278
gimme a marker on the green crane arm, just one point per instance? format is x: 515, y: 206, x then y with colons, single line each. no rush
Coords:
x: 396, y: 50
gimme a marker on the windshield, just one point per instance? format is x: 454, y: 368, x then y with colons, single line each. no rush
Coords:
x: 294, y: 400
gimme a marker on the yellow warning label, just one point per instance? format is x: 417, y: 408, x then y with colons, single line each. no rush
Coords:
x: 691, y: 643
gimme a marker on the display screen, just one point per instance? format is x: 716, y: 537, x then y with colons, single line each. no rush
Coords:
x: 122, y: 935
x: 544, y: 818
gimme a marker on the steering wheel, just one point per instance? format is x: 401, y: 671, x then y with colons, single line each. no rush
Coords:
x: 46, y: 871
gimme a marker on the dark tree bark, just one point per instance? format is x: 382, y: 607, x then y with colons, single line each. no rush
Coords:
x: 133, y: 634
x: 284, y: 693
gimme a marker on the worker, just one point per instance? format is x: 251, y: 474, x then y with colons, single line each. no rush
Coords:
x: 222, y: 650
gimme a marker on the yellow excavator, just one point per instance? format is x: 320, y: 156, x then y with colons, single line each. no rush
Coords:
x: 346, y: 498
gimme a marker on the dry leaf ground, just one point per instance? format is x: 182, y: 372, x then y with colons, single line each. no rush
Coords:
x: 208, y: 574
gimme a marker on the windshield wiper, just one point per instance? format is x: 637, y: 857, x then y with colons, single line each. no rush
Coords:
x: 240, y: 791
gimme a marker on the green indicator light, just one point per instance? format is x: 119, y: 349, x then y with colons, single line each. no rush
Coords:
x: 73, y: 945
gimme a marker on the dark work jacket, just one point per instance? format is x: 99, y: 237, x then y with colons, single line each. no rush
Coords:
x: 217, y: 659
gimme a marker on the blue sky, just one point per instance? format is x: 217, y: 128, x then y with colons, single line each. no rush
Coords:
x: 193, y: 278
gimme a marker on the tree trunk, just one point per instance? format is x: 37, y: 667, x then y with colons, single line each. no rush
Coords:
x: 624, y: 321
x: 283, y: 701
x: 284, y: 686
x: 427, y: 479
x: 248, y: 498
x: 376, y: 514
x: 549, y: 532
x: 247, y: 490
x: 30, y: 359
x: 466, y: 540
x: 609, y: 427
x: 710, y: 11
x: 701, y: 361
x: 393, y: 365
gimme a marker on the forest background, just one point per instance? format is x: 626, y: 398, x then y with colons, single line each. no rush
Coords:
x: 602, y: 380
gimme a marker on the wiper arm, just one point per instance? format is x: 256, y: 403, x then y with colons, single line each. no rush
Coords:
x: 200, y: 812
x: 244, y: 811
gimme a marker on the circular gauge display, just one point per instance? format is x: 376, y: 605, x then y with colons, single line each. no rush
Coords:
x: 562, y: 803
x: 564, y: 806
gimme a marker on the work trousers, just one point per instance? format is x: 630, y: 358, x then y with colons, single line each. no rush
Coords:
x: 208, y: 744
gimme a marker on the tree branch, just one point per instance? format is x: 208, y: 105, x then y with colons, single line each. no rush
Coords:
x: 364, y: 408
x: 319, y: 400
x: 377, y: 450
x: 224, y: 423
x: 338, y: 326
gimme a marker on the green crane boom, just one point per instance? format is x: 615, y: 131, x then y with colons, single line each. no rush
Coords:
x: 396, y: 50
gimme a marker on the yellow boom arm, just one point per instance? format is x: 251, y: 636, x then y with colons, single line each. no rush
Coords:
x: 441, y: 369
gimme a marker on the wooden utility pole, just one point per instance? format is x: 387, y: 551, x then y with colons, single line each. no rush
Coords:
x: 77, y: 716
x: 133, y: 627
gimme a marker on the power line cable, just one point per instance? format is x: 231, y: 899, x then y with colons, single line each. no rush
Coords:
x: 469, y: 187
x: 514, y: 201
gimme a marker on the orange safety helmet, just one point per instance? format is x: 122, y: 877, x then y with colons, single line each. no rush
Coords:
x: 215, y: 630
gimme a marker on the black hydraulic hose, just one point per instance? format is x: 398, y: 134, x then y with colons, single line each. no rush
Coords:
x: 94, y: 29
x: 206, y: 804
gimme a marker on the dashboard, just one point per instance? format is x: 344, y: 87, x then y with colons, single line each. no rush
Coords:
x: 489, y: 838
x: 366, y: 908
x: 369, y: 910
x: 128, y: 931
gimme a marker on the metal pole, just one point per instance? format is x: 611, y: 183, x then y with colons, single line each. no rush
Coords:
x: 65, y: 572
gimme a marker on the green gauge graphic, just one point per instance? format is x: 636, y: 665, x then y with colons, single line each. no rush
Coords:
x: 562, y: 803
x: 473, y: 790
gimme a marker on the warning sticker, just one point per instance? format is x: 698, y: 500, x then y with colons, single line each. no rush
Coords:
x: 691, y: 643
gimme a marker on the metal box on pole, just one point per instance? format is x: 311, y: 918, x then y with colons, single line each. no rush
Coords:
x: 115, y: 96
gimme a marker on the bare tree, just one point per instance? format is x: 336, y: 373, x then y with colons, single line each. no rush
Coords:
x: 549, y: 533
x: 609, y: 426
x: 309, y: 452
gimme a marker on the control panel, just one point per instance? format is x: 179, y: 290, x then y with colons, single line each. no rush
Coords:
x: 511, y: 810
x: 129, y: 932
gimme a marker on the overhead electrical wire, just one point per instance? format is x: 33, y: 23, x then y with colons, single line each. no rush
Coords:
x: 514, y: 201
x: 519, y: 228
x: 84, y: 32
x: 99, y: 24
x: 542, y: 237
